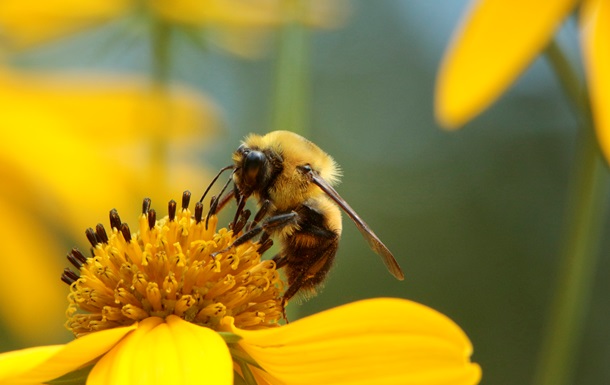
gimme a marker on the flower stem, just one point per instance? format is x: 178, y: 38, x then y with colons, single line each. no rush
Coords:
x: 571, y: 83
x: 160, y: 73
x: 292, y: 79
x: 160, y: 37
x: 585, y: 218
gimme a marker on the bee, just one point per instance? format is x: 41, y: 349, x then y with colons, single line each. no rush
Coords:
x: 292, y: 181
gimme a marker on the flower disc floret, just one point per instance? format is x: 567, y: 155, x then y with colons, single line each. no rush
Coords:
x: 178, y: 265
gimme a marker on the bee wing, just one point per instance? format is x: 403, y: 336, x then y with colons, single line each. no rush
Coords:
x: 368, y: 234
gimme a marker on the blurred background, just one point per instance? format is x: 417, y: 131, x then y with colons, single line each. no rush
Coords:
x: 104, y: 106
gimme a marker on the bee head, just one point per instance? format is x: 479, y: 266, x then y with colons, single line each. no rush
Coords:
x: 252, y: 169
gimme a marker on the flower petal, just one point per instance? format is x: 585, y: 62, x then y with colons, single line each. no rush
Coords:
x: 244, y: 27
x: 33, y: 311
x: 595, y: 23
x: 381, y: 341
x: 95, y: 134
x: 495, y: 43
x: 15, y: 363
x: 88, y: 131
x: 43, y: 364
x: 28, y: 22
x: 229, y: 12
x: 117, y: 366
x: 252, y: 13
x: 201, y: 350
x: 172, y: 352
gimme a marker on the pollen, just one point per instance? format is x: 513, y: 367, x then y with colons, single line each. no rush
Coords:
x: 178, y: 265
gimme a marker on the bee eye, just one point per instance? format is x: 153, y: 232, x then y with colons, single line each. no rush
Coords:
x: 242, y: 149
x: 254, y: 163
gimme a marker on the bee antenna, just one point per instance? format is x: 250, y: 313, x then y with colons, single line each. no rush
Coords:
x: 214, y: 203
x: 226, y: 184
x: 215, y: 179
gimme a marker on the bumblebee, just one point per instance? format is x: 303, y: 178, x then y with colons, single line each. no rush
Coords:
x: 292, y: 180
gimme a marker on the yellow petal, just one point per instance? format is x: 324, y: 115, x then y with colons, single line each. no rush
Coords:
x: 110, y: 109
x: 91, y: 138
x: 13, y: 364
x: 228, y: 12
x: 27, y: 22
x: 381, y: 341
x: 595, y: 24
x: 172, y: 352
x: 495, y: 43
x: 252, y: 13
x: 117, y: 365
x: 244, y: 27
x: 43, y: 364
x: 264, y: 378
x: 32, y: 297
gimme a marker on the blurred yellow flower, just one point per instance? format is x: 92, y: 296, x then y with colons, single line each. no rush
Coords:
x: 23, y: 23
x: 70, y: 147
x: 174, y: 304
x: 496, y: 42
x: 236, y: 24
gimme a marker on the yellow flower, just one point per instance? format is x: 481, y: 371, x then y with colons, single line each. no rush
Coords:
x: 175, y: 304
x: 496, y: 42
x: 27, y: 22
x: 69, y: 148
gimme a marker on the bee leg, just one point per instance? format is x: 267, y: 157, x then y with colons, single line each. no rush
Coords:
x: 291, y: 291
x: 312, y: 271
x: 264, y: 245
x: 260, y: 214
x: 296, y: 285
x: 272, y: 223
x: 280, y: 261
x: 242, y: 222
x: 241, y: 203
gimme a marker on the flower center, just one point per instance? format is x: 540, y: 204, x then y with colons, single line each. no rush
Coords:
x: 176, y: 265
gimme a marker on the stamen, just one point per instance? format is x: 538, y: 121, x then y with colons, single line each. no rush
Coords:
x: 92, y: 237
x: 171, y: 210
x: 184, y: 303
x: 133, y: 312
x: 115, y: 220
x: 125, y: 231
x: 78, y: 255
x: 146, y: 205
x: 69, y: 276
x: 75, y: 262
x: 186, y: 199
x: 152, y: 218
x: 198, y: 212
x: 100, y: 231
x: 153, y: 294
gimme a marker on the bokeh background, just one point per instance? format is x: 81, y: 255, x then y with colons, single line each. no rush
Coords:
x: 475, y: 217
